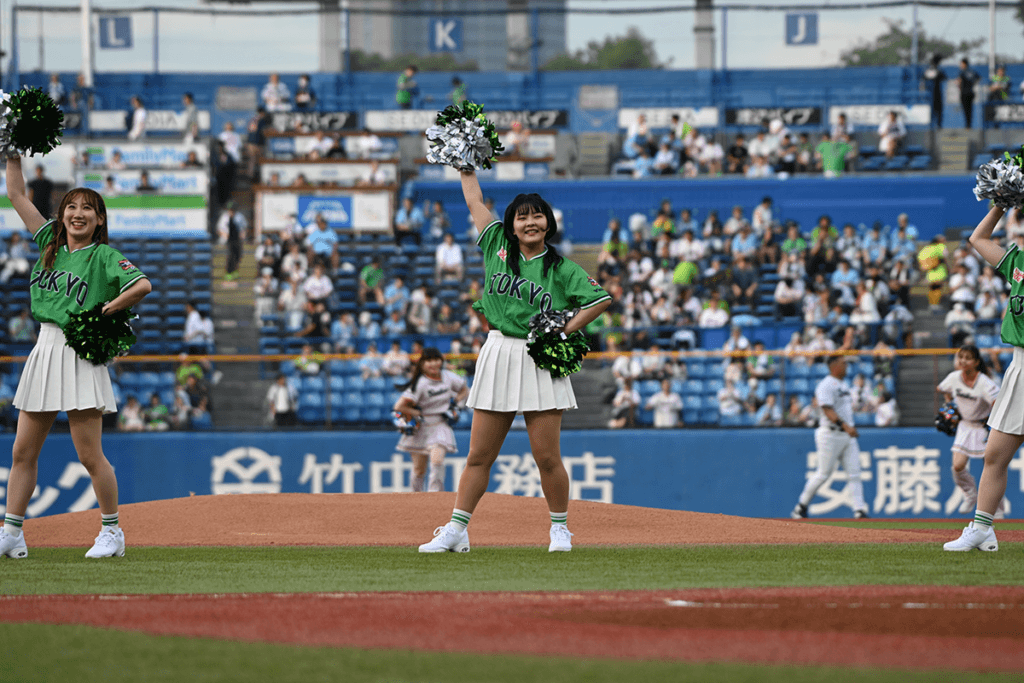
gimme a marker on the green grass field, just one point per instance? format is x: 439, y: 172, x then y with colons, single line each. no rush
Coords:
x: 63, y: 653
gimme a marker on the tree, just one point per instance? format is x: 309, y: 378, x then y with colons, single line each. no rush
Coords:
x: 894, y: 48
x: 363, y: 61
x: 632, y: 51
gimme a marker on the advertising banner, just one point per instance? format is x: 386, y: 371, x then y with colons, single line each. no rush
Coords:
x: 141, y: 154
x: 791, y: 116
x: 874, y: 114
x: 343, y: 210
x: 127, y: 182
x: 661, y: 117
x: 342, y: 173
x: 420, y: 119
x: 750, y: 472
x: 157, y: 120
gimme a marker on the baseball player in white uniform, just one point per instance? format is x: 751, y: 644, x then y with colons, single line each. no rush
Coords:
x: 835, y: 438
x: 974, y: 393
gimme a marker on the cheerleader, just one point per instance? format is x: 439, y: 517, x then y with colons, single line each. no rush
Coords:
x: 524, y: 275
x: 429, y: 397
x: 974, y: 393
x: 76, y: 271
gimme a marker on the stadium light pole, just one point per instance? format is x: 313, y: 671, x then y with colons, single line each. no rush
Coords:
x: 87, y: 42
x: 991, y: 36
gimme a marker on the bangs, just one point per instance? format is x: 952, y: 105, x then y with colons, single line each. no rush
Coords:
x: 529, y: 206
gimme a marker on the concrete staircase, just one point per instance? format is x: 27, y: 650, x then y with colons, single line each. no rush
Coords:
x: 919, y: 375
x: 238, y: 397
x: 591, y: 385
x: 956, y: 148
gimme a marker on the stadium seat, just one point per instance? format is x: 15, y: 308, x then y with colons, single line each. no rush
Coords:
x: 713, y: 386
x: 692, y: 402
x: 897, y: 163
x: 694, y: 386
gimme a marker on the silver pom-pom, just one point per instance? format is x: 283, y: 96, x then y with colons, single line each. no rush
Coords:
x: 1002, y: 182
x: 7, y: 148
x: 462, y: 144
x: 550, y: 321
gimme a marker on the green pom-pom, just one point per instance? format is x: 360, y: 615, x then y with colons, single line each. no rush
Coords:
x: 35, y: 122
x: 100, y: 338
x: 558, y: 354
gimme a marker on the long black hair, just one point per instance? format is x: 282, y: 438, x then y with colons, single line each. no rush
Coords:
x: 974, y: 353
x: 429, y: 353
x: 527, y: 203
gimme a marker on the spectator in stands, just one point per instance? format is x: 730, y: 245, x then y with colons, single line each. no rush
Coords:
x: 394, y: 324
x: 744, y: 243
x: 156, y: 415
x: 57, y: 92
x: 275, y: 95
x: 109, y: 188
x: 396, y: 362
x: 421, y: 311
x: 792, y: 266
x: 761, y: 149
x: 769, y: 244
x: 191, y: 160
x: 770, y: 412
x: 865, y: 310
x: 898, y: 328
x: 40, y: 191
x: 666, y: 160
x: 318, y: 286
x: 130, y: 418
x: 933, y: 261
x: 643, y: 165
x: 137, y: 119
x: 116, y: 161
x: 291, y: 302
x: 515, y: 140
x: 849, y: 245
x: 737, y: 158
x: 667, y: 406
x: 198, y: 333
x: 179, y: 413
x: 819, y: 343
x: 805, y: 161
x: 265, y: 291
x: 268, y: 256
x: 962, y: 287
x: 887, y: 414
x: 831, y: 154
x: 733, y: 224
x: 762, y: 216
x: 316, y: 324
x: 637, y: 138
x: 82, y: 100
x: 743, y: 281
x: 624, y: 406
x: 736, y: 341
x: 448, y: 321
x: 999, y: 85
x: 437, y: 219
x: 891, y: 132
x: 407, y: 90
x: 448, y: 260
x: 730, y: 401
x: 966, y: 81
x: 190, y: 127
x: 323, y: 144
x: 343, y: 332
x: 794, y: 242
x: 988, y: 281
x: 791, y: 415
x: 255, y: 138
x: 374, y: 175
x: 686, y: 248
x: 372, y: 362
x: 369, y: 282
x: 225, y: 170
x: 282, y: 400
x: 714, y: 314
x: 396, y: 296
x: 959, y: 324
x: 308, y: 362
x: 232, y: 227
x: 787, y: 155
x: 409, y: 222
x: 305, y: 96
x: 788, y: 297
x: 842, y: 127
x: 232, y: 142
x: 145, y: 185
x: 322, y: 242
x: 933, y: 80
x: 21, y: 329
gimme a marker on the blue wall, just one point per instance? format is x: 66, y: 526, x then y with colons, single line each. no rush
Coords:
x: 934, y: 203
x: 741, y: 472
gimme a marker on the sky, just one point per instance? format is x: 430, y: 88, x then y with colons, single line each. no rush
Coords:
x: 753, y: 39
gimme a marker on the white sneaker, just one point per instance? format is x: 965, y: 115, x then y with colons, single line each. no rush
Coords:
x: 448, y: 538
x: 109, y: 543
x: 561, y: 539
x: 13, y: 546
x: 974, y: 538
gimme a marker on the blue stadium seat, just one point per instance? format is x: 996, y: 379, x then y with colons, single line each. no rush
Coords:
x: 710, y: 416
x: 313, y: 383
x: 371, y: 414
x: 731, y: 421
x: 896, y: 163
x: 201, y: 422
x: 692, y: 402
x: 375, y: 384
x: 712, y: 386
x: 921, y: 162
x: 696, y: 370
x: 798, y: 370
x: 873, y: 163
x: 691, y: 417
x: 797, y: 385
x: 336, y: 383
x: 694, y: 386
x: 354, y: 383
x: 352, y: 399
x: 649, y: 387
x: 375, y: 398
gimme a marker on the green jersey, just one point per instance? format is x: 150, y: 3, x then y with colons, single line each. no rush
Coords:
x: 1011, y: 266
x: 509, y: 301
x: 79, y: 280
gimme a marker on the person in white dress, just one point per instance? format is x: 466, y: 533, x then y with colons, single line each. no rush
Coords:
x: 430, y: 396
x: 666, y: 405
x: 974, y: 393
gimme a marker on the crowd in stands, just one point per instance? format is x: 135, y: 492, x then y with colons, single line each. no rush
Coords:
x: 774, y: 150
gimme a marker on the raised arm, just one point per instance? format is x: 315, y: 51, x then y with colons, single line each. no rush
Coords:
x: 27, y: 211
x: 475, y: 200
x: 981, y: 238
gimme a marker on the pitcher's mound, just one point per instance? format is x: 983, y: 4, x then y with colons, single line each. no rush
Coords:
x: 409, y: 519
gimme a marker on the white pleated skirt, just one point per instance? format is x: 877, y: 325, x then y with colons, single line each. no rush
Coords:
x: 971, y: 439
x: 1008, y: 412
x: 55, y: 378
x: 507, y: 380
x: 433, y: 431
